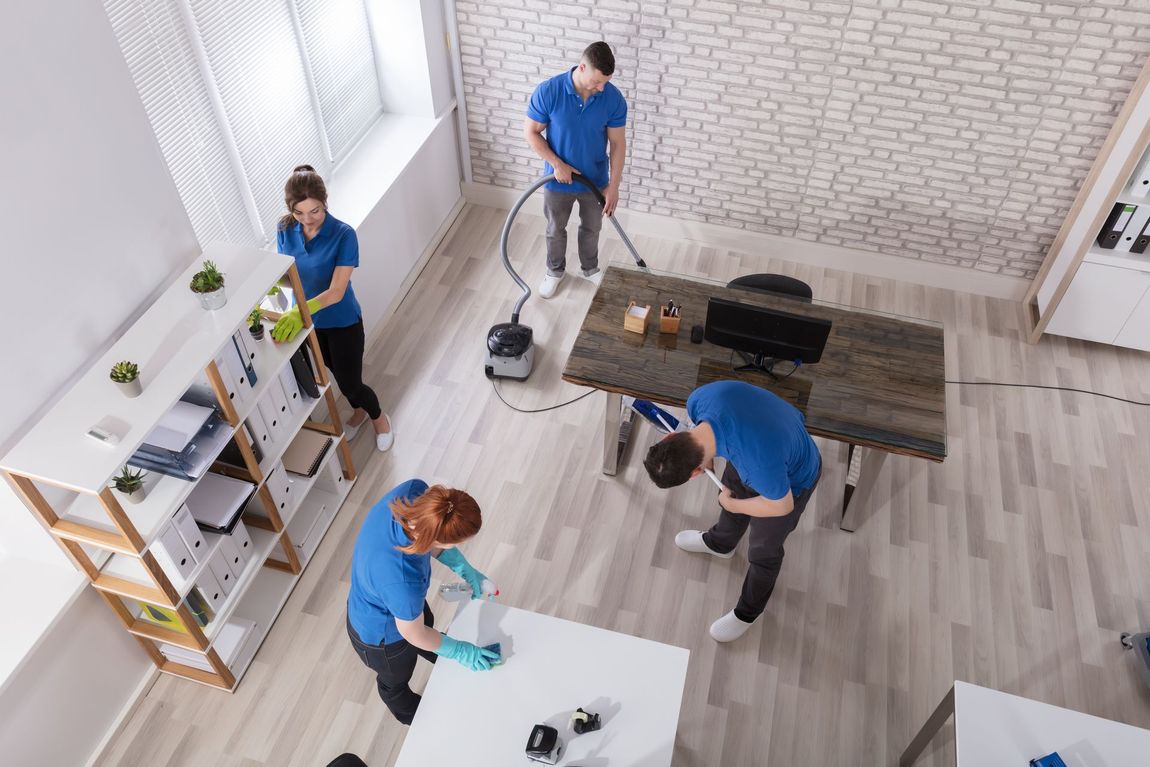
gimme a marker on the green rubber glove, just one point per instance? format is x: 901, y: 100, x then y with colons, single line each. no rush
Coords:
x: 291, y: 322
x: 466, y: 654
x: 480, y: 585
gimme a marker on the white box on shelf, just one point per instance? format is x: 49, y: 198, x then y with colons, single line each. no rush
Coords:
x: 242, y: 540
x: 307, y: 528
x: 190, y: 532
x: 275, y: 395
x: 272, y: 419
x: 279, y: 484
x: 232, y: 554
x: 260, y: 432
x: 172, y: 553
x: 210, y: 589
x: 223, y: 574
x: 331, y: 478
x: 295, y: 400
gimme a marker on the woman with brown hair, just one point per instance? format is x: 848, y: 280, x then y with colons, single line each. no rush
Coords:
x: 326, y: 251
x: 388, y: 618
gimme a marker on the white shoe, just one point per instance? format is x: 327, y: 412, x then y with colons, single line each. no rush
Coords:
x: 692, y: 541
x: 549, y: 285
x: 383, y: 442
x: 729, y: 628
x: 596, y: 278
x: 350, y: 430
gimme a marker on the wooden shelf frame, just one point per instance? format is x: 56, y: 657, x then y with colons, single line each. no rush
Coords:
x: 1105, y: 184
x: 127, y: 540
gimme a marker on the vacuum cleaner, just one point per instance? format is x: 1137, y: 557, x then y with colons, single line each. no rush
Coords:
x: 510, y: 345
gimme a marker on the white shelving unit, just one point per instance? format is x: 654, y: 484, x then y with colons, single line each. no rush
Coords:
x: 1085, y: 291
x: 63, y: 476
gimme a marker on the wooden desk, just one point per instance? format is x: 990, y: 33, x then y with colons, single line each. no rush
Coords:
x: 483, y: 719
x: 878, y: 385
x: 996, y: 729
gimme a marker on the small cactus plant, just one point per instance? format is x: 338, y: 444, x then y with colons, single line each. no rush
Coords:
x: 125, y: 372
x: 130, y: 483
x: 208, y: 279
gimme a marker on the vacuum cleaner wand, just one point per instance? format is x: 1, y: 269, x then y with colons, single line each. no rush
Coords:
x: 576, y: 177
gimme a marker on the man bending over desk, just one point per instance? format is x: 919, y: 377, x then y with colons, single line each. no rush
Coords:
x: 778, y: 468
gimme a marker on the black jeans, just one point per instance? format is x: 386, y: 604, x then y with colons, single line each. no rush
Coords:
x: 393, y: 664
x: 342, y: 350
x: 768, y: 534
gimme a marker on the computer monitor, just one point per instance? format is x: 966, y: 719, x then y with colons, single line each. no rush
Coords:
x: 768, y: 334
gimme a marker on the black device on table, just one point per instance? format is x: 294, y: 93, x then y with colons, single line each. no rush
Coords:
x: 766, y: 333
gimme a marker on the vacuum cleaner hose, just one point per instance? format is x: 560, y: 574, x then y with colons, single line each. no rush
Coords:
x: 515, y: 211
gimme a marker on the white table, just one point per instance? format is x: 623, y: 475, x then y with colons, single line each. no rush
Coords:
x: 552, y: 667
x: 996, y: 729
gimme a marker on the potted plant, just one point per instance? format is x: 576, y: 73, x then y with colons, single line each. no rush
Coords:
x: 255, y: 324
x: 208, y: 284
x: 127, y: 376
x: 130, y: 484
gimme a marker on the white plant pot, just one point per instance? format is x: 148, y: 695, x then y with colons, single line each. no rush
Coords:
x: 214, y: 300
x: 132, y: 498
x: 131, y: 388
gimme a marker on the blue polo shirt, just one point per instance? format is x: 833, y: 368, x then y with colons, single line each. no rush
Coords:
x: 386, y: 583
x: 334, y: 245
x: 762, y: 435
x: 577, y: 131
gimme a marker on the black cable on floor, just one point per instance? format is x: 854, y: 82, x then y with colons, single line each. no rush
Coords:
x: 542, y: 409
x: 1055, y: 388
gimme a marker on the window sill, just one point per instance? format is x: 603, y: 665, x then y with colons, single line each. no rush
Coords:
x: 376, y: 163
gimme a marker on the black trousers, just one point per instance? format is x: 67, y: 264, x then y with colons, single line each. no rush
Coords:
x: 342, y: 350
x: 768, y: 534
x: 393, y: 665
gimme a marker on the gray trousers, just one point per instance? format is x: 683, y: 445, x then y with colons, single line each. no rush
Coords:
x: 768, y: 534
x: 557, y: 208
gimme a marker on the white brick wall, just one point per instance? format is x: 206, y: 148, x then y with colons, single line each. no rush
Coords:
x: 953, y: 131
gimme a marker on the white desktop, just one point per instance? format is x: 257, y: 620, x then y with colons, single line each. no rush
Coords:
x: 552, y: 666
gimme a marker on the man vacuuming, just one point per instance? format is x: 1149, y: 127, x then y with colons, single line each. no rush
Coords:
x: 773, y: 467
x: 582, y: 113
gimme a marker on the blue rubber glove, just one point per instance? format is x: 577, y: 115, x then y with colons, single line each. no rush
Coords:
x: 459, y: 565
x: 291, y: 322
x: 466, y: 654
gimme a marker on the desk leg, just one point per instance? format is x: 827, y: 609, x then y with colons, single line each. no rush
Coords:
x: 856, y: 497
x: 929, y: 729
x: 611, y: 420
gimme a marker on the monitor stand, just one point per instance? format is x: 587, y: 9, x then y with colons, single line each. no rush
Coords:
x: 758, y: 362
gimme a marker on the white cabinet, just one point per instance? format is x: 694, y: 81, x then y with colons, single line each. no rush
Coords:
x: 1136, y: 332
x: 1099, y: 303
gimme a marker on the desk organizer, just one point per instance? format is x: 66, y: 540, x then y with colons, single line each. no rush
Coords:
x: 667, y: 323
x: 635, y: 322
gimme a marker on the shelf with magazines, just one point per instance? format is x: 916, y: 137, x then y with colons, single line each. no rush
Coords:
x: 242, y: 471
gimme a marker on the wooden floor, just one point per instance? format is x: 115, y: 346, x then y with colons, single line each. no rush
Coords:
x: 1015, y: 564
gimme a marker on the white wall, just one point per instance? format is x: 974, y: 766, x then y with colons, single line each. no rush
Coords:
x: 411, y: 55
x: 93, y: 231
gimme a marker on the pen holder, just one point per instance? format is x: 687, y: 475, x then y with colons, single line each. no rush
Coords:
x: 635, y: 318
x: 667, y: 323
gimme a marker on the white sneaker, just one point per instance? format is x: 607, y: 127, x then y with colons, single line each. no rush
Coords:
x: 692, y: 541
x: 729, y: 628
x: 595, y: 278
x: 350, y: 430
x: 549, y: 285
x: 383, y: 442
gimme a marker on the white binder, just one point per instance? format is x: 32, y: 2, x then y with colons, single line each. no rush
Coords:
x: 228, y: 376
x: 292, y: 393
x: 275, y: 395
x: 222, y: 572
x: 259, y: 430
x: 273, y: 421
x: 212, y: 591
x: 279, y: 484
x: 242, y: 539
x: 190, y: 532
x: 1133, y: 228
x: 172, y: 554
x: 232, y: 555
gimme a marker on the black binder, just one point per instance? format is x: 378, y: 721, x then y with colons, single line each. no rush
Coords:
x: 304, y: 375
x: 1143, y: 240
x: 1117, y: 220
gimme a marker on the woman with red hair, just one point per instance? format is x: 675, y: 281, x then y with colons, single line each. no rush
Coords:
x: 388, y: 618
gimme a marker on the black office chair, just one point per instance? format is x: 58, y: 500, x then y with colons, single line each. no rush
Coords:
x: 774, y: 283
x: 347, y: 760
